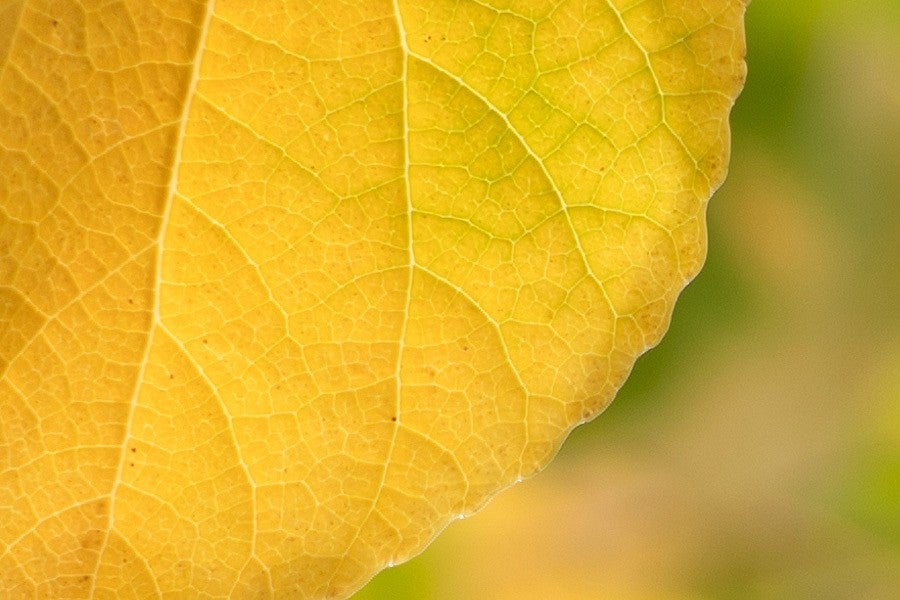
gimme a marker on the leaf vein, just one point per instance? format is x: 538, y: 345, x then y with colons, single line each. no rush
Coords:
x: 540, y: 162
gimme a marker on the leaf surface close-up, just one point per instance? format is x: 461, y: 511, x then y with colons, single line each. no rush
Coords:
x: 286, y: 286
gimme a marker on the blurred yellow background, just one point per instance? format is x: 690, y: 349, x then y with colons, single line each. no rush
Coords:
x: 756, y: 452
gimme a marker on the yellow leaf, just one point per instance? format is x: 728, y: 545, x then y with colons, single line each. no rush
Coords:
x: 286, y: 286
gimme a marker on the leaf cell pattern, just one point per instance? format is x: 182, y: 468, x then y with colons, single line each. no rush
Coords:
x: 286, y: 286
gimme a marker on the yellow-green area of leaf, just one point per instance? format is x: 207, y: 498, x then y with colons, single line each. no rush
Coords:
x: 287, y: 285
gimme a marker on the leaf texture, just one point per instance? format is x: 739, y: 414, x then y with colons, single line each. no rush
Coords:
x: 286, y: 286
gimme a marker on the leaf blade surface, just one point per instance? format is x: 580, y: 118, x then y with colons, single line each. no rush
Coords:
x: 288, y: 295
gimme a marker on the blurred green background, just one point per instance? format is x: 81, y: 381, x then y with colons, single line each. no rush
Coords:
x: 756, y: 452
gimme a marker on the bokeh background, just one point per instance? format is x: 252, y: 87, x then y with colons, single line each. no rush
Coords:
x: 756, y: 452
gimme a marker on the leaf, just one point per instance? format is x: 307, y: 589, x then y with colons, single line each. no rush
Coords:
x: 286, y: 286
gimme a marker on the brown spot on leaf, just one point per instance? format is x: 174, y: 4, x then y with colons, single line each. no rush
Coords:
x: 91, y: 539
